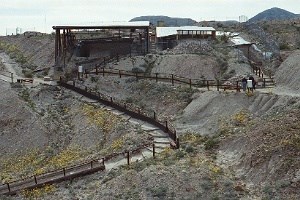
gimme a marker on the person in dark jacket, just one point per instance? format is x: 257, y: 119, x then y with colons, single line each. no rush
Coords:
x: 244, y: 83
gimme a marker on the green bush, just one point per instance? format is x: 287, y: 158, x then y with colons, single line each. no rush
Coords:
x: 211, y: 143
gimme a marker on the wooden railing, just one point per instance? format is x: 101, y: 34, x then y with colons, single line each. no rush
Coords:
x: 171, y: 78
x: 70, y: 172
x: 127, y: 108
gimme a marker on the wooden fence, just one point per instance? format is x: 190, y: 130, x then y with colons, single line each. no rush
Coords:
x: 67, y: 173
x: 126, y: 108
x: 171, y: 78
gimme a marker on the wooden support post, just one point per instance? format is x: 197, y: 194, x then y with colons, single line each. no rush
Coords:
x: 12, y: 77
x: 237, y: 86
x: 154, y: 115
x: 103, y: 71
x: 218, y: 85
x: 73, y: 83
x: 35, y: 180
x: 153, y: 150
x: 128, y: 158
x: 207, y: 82
x: 190, y: 83
x: 136, y: 76
x: 177, y: 143
x: 91, y: 164
x: 120, y: 74
x: 8, y: 187
x: 156, y: 77
x: 64, y: 170
x: 167, y: 128
x: 172, y: 79
x: 85, y: 73
x: 264, y: 84
x: 96, y: 70
x: 111, y: 99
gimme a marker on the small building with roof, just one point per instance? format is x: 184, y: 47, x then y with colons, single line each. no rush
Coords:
x: 167, y: 37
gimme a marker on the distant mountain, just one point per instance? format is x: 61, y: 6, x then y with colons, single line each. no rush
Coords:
x: 273, y: 14
x: 168, y: 21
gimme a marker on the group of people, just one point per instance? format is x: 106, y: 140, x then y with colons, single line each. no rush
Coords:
x: 248, y: 84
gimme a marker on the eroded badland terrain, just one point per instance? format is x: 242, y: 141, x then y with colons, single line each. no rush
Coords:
x: 233, y: 145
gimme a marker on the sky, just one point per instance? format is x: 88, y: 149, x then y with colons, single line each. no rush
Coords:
x: 41, y: 15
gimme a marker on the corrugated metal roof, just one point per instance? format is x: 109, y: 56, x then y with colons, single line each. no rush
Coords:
x: 167, y: 31
x: 112, y: 24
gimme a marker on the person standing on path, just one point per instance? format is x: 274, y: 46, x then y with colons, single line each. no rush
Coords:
x: 244, y: 83
x: 253, y: 82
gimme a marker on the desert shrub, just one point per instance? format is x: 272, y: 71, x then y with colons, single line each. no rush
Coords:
x: 284, y: 46
x: 94, y: 79
x: 159, y: 192
x: 27, y: 73
x: 211, y: 143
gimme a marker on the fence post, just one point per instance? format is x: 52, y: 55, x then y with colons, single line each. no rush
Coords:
x: 35, y: 180
x: 264, y: 84
x: 111, y: 99
x: 120, y: 74
x: 91, y: 164
x: 218, y: 83
x: 73, y: 83
x: 136, y: 76
x: 153, y: 149
x: 85, y: 71
x: 96, y: 70
x: 103, y: 71
x: 128, y: 158
x: 237, y: 86
x: 207, y: 84
x: 156, y: 77
x: 154, y: 115
x: 64, y: 170
x: 167, y: 129
x: 172, y: 79
x: 12, y: 77
x: 8, y: 187
x: 190, y: 83
x: 177, y: 143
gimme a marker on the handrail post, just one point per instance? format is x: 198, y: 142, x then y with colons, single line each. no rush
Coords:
x: 103, y: 71
x: 91, y: 164
x: 218, y: 84
x: 136, y: 76
x: 190, y: 83
x: 207, y: 82
x: 64, y: 170
x: 156, y: 77
x: 35, y: 180
x: 12, y: 77
x: 128, y: 158
x: 73, y: 83
x: 8, y: 187
x: 167, y: 128
x: 96, y: 70
x: 264, y: 84
x: 177, y: 143
x: 85, y: 73
x: 172, y: 79
x: 237, y: 86
x: 154, y: 115
x: 153, y: 149
x: 111, y: 99
x: 120, y: 74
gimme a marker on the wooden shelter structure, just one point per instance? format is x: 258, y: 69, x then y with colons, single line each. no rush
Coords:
x: 65, y: 36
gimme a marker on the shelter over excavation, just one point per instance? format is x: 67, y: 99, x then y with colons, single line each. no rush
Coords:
x: 104, y: 37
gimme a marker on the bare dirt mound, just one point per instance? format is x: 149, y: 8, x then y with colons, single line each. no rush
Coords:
x: 267, y: 155
x: 287, y: 75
